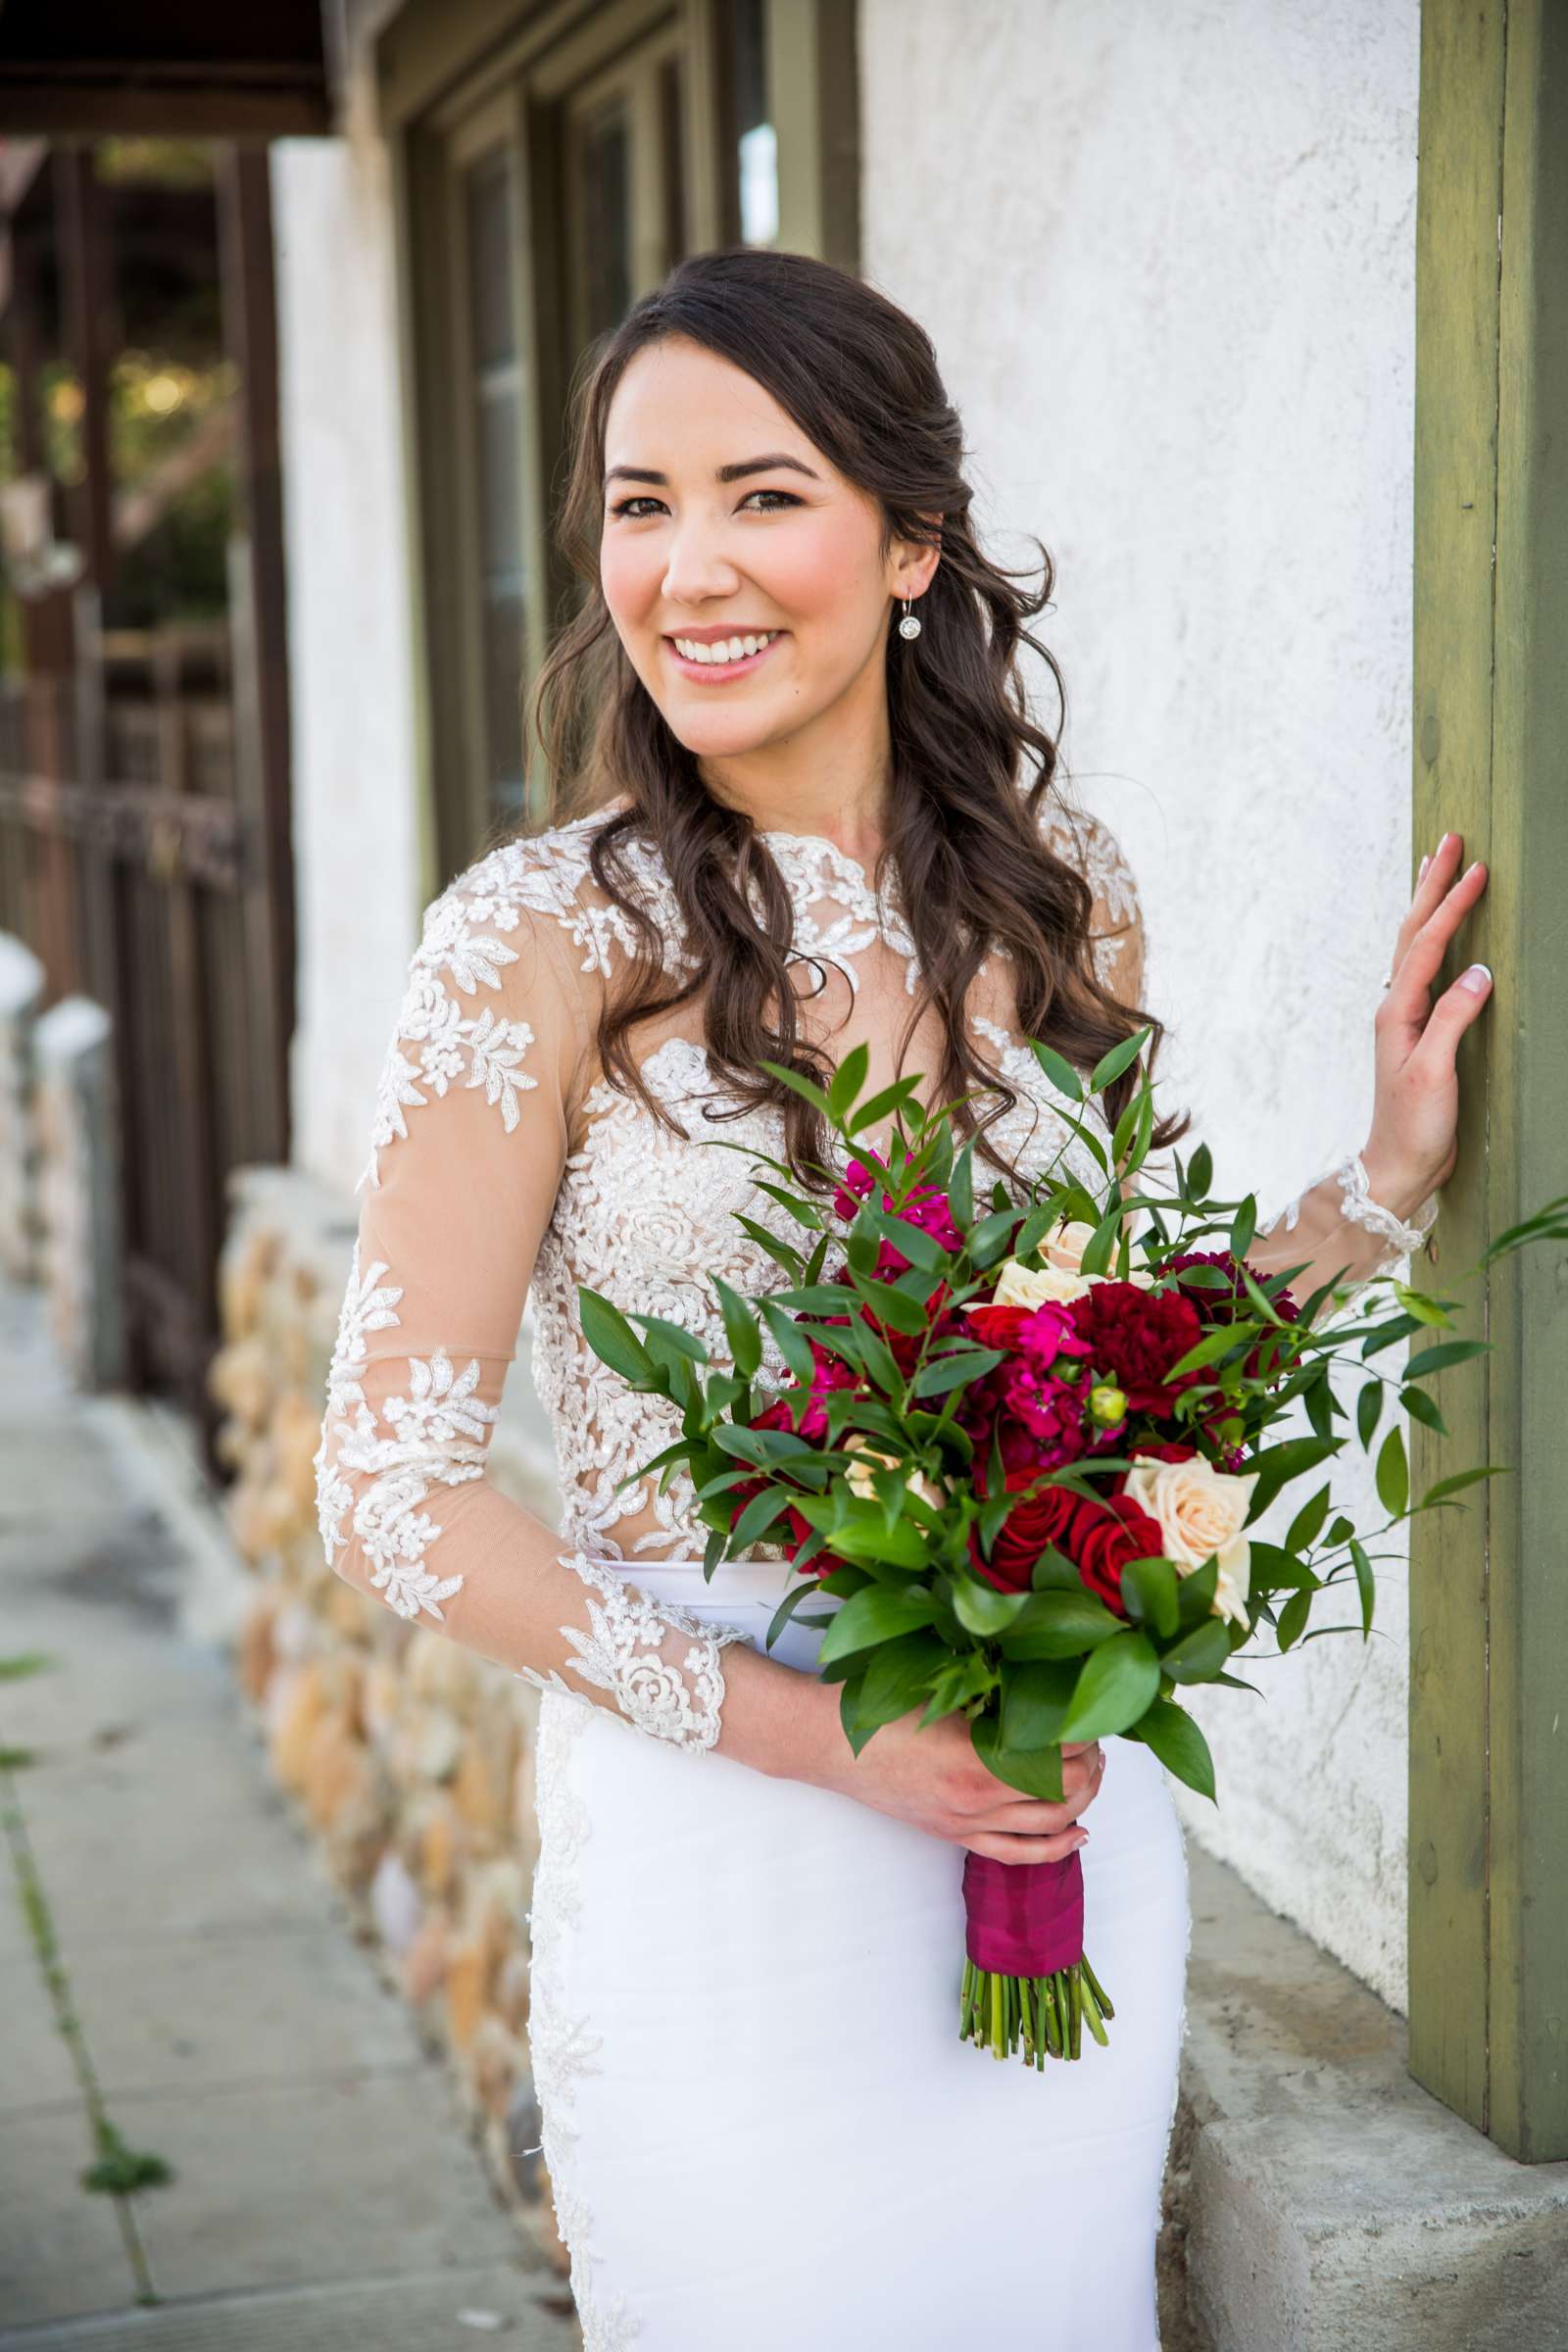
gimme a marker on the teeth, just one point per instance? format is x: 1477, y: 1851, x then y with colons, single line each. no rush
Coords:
x: 725, y: 649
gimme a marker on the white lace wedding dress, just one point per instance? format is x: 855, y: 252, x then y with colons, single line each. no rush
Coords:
x: 760, y: 2127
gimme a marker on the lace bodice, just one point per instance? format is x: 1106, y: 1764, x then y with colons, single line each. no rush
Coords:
x: 503, y: 1164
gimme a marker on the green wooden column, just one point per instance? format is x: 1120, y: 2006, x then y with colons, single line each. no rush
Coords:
x: 1489, y: 1584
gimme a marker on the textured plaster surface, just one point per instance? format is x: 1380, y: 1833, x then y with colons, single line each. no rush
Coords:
x: 356, y: 837
x: 1166, y: 255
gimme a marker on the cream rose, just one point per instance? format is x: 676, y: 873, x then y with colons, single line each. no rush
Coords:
x: 1029, y: 1286
x: 1059, y: 1279
x: 1199, y: 1510
x: 859, y: 1474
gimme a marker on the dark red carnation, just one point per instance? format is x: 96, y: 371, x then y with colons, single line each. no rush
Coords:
x: 1135, y: 1333
x: 1223, y: 1306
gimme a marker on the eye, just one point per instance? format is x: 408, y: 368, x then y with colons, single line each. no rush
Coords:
x: 786, y: 498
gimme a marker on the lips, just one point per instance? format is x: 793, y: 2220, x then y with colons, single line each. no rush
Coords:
x: 716, y: 673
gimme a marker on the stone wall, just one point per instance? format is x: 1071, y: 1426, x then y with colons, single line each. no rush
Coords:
x: 22, y: 984
x: 410, y: 1758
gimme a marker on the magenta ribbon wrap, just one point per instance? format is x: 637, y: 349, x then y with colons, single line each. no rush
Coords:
x: 1025, y: 1919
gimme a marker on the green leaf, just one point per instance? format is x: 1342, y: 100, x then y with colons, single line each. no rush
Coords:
x: 1149, y: 1588
x: 916, y: 1244
x: 1366, y: 1583
x: 1214, y: 1344
x: 1392, y: 1474
x: 899, y: 1676
x: 881, y: 1613
x: 893, y: 1305
x: 1199, y: 1175
x: 1318, y: 1398
x: 1059, y: 1625
x: 612, y: 1338
x: 1424, y: 1309
x: 863, y: 1535
x: 950, y: 1370
x: 1053, y: 1572
x: 1243, y: 1227
x: 798, y: 1084
x: 1459, y: 1480
x: 1195, y: 1596
x: 1279, y: 1463
x: 961, y: 1187
x: 1114, y: 1686
x: 1293, y: 1617
x: 850, y: 1713
x: 1368, y: 1411
x: 1063, y: 1077
x: 1035, y: 1698
x: 1111, y: 1066
x: 1274, y: 1569
x: 1307, y: 1525
x: 982, y: 1609
x: 791, y: 1341
x: 882, y: 1105
x: 991, y: 1237
x: 1037, y: 1772
x: 1447, y: 1351
x: 958, y: 1684
x: 1179, y: 1743
x: 740, y: 1329
x: 1423, y: 1408
x: 759, y: 1517
x: 1199, y: 1655
x: 667, y: 1340
x: 787, y: 1608
x: 1101, y: 1247
x: 847, y: 1080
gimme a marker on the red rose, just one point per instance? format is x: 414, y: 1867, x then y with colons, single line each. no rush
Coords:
x: 1106, y: 1540
x: 1098, y: 1537
x: 1136, y: 1333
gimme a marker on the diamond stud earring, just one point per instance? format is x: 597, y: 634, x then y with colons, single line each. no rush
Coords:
x: 909, y: 626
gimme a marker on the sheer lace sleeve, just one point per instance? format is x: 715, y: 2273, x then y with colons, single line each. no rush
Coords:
x: 1341, y: 1232
x: 1335, y: 1226
x: 1116, y: 918
x: 468, y: 1145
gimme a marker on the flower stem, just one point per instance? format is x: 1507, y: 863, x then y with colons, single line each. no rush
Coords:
x: 1041, y: 2017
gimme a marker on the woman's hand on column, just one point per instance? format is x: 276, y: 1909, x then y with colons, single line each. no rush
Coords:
x: 1413, y: 1147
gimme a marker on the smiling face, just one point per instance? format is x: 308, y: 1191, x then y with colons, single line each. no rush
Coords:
x: 703, y: 545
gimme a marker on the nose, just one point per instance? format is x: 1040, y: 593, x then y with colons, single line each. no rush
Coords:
x: 698, y: 568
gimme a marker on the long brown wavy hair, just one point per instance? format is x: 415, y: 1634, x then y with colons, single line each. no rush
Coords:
x: 859, y: 376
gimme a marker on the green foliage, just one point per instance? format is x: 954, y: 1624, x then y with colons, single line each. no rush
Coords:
x: 918, y: 1629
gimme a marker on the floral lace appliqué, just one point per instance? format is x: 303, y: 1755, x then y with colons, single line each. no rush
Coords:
x: 563, y: 2044
x: 679, y: 1699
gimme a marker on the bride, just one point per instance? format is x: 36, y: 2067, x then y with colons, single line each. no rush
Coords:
x: 812, y: 811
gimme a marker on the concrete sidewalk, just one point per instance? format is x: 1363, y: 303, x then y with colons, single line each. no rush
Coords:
x: 183, y: 1989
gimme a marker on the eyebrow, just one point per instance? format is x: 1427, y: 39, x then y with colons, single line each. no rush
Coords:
x: 722, y: 473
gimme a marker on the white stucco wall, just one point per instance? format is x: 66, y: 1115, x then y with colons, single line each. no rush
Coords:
x: 1166, y: 254
x: 356, y: 841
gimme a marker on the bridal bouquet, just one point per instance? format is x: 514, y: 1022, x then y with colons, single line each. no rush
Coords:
x: 1028, y: 1459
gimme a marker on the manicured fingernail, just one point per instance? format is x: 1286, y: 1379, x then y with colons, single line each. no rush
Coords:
x: 1082, y: 1837
x: 1425, y: 863
x: 1478, y: 979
